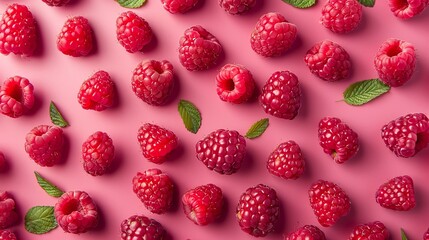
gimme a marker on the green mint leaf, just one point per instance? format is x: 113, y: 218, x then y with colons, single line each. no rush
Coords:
x: 131, y: 3
x: 257, y: 129
x: 301, y: 3
x: 367, y: 3
x: 364, y: 91
x: 403, y: 236
x: 56, y: 116
x: 190, y: 114
x: 40, y: 220
x: 49, y: 188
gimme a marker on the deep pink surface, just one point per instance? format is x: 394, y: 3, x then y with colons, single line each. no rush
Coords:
x: 58, y: 77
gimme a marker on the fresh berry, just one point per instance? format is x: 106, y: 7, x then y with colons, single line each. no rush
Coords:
x: 222, y: 151
x: 281, y: 95
x: 237, y: 6
x: 286, y: 161
x: 97, y: 153
x: 395, y: 62
x: 273, y: 35
x: 329, y: 202
x: 7, y: 235
x: 155, y: 189
x: 203, y: 204
x: 156, y: 142
x: 16, y: 96
x: 307, y: 232
x: 141, y: 228
x: 341, y: 16
x: 178, y: 6
x: 199, y: 49
x: 373, y: 230
x: 329, y: 61
x: 44, y: 144
x: 97, y: 92
x: 153, y: 81
x: 2, y: 162
x: 258, y: 210
x: 426, y: 236
x: 8, y: 215
x: 406, y: 9
x: 56, y: 3
x: 133, y: 32
x: 75, y: 38
x: 234, y: 83
x: 397, y: 194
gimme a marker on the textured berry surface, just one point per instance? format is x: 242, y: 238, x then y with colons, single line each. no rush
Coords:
x: 307, y: 232
x: 2, y: 162
x: 397, y: 194
x: 97, y: 92
x: 7, y: 235
x: 406, y: 9
x: 341, y: 16
x: 156, y: 142
x: 133, y: 32
x: 222, y: 151
x: 97, y: 153
x: 56, y: 3
x: 237, y: 6
x: 203, y: 204
x: 373, y: 230
x: 286, y: 161
x: 234, y: 83
x: 178, y: 6
x: 141, y: 228
x: 426, y: 235
x: 75, y: 38
x: 44, y: 144
x: 8, y: 215
x: 16, y: 96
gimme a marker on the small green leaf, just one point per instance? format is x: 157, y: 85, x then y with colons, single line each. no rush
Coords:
x: 49, y: 188
x: 367, y: 3
x: 364, y: 91
x: 131, y: 3
x: 300, y: 3
x: 56, y: 116
x: 257, y: 129
x: 40, y: 220
x: 190, y: 114
x: 403, y: 236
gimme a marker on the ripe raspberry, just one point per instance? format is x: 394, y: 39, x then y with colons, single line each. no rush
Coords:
x: 18, y: 31
x: 286, y: 161
x: 281, y: 95
x: 44, y: 144
x: 329, y: 202
x: 337, y: 139
x: 97, y: 153
x: 141, y: 228
x: 97, y: 92
x: 329, y: 61
x: 258, y: 210
x: 406, y: 9
x: 273, y: 35
x: 203, y: 204
x: 426, y: 236
x: 153, y: 81
x: 341, y: 16
x: 237, y: 6
x: 56, y: 3
x: 397, y: 194
x: 373, y: 230
x: 395, y: 62
x: 307, y: 232
x: 199, y: 49
x: 8, y: 215
x: 156, y: 142
x: 155, y: 189
x: 178, y: 6
x: 234, y: 83
x: 16, y: 96
x: 133, y: 32
x: 222, y: 151
x: 7, y: 235
x: 75, y: 38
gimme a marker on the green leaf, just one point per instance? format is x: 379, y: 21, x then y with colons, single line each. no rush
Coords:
x: 257, y: 129
x: 40, y: 220
x: 364, y: 91
x: 49, y: 188
x: 367, y: 3
x: 131, y: 3
x: 300, y: 3
x: 190, y: 114
x: 56, y: 116
x: 403, y: 236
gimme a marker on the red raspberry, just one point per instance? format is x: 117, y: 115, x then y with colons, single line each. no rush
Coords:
x: 329, y: 202
x: 8, y: 215
x: 407, y: 135
x: 2, y: 162
x: 395, y: 62
x: 7, y: 235
x: 273, y: 35
x: 237, y: 6
x: 178, y: 6
x: 133, y: 32
x: 56, y: 3
x: 153, y: 81
x: 18, y: 31
x: 97, y: 153
x: 406, y: 9
x: 337, y: 139
x: 44, y: 144
x: 16, y: 96
x: 373, y: 230
x: 222, y: 151
x: 234, y: 83
x: 199, y: 49
x: 203, y: 204
x: 307, y: 232
x: 426, y: 236
x: 155, y: 189
x: 341, y: 16
x: 329, y: 61
x: 286, y: 161
x: 75, y: 38
x: 97, y: 92
x: 141, y: 228
x: 156, y: 142
x: 258, y: 210
x: 281, y: 95
x: 397, y: 194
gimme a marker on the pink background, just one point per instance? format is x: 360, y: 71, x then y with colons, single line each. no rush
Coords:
x: 58, y: 77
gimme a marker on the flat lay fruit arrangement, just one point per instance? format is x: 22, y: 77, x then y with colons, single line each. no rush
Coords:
x: 223, y: 119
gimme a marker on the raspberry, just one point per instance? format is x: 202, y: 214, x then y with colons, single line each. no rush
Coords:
x: 341, y: 16
x: 258, y: 210
x: 307, y: 232
x: 97, y: 153
x: 16, y: 96
x: 203, y: 204
x: 2, y: 162
x: 286, y: 161
x: 8, y: 215
x: 329, y: 61
x: 97, y: 92
x: 406, y: 9
x: 337, y: 139
x: 153, y: 81
x: 199, y: 49
x: 75, y: 38
x: 18, y: 31
x: 156, y: 142
x: 374, y: 230
x: 273, y: 35
x: 7, y: 235
x: 237, y: 6
x: 178, y: 6
x: 222, y: 151
x: 329, y: 202
x: 407, y: 135
x: 281, y: 95
x: 44, y: 144
x: 426, y: 236
x: 141, y: 228
x: 76, y: 212
x: 155, y: 189
x: 397, y: 194
x: 395, y: 62
x: 234, y: 83
x: 56, y: 3
x: 133, y: 32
